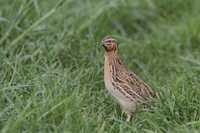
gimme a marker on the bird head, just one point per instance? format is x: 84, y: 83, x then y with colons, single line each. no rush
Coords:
x: 109, y: 44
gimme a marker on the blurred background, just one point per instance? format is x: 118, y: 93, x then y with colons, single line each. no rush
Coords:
x: 51, y: 64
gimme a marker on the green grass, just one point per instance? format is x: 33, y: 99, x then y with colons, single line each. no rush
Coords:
x: 51, y: 67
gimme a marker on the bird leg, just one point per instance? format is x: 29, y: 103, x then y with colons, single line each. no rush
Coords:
x: 128, y: 117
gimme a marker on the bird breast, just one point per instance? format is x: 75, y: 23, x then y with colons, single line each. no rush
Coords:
x: 108, y: 83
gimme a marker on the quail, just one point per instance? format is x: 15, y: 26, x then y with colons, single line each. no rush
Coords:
x: 124, y: 85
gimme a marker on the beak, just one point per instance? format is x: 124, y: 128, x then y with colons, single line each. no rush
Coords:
x: 103, y: 43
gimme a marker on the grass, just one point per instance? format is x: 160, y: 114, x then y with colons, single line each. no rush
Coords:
x: 51, y: 70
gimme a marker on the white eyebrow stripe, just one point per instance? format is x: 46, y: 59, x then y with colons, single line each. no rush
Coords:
x: 109, y: 39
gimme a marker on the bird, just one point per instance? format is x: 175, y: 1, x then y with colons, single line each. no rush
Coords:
x: 123, y: 84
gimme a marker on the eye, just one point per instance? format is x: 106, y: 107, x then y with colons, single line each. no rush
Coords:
x: 109, y: 41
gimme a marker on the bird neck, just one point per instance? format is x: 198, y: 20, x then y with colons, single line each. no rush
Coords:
x: 112, y: 57
x: 111, y: 54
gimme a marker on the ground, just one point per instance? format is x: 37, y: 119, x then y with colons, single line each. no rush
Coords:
x: 51, y: 67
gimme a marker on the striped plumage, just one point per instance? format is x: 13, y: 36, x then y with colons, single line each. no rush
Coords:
x: 124, y: 85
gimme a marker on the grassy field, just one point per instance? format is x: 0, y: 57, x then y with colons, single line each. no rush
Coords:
x: 51, y: 64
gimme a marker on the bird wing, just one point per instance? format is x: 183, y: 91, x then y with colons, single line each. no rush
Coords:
x: 139, y: 85
x: 128, y: 83
x: 136, y: 88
